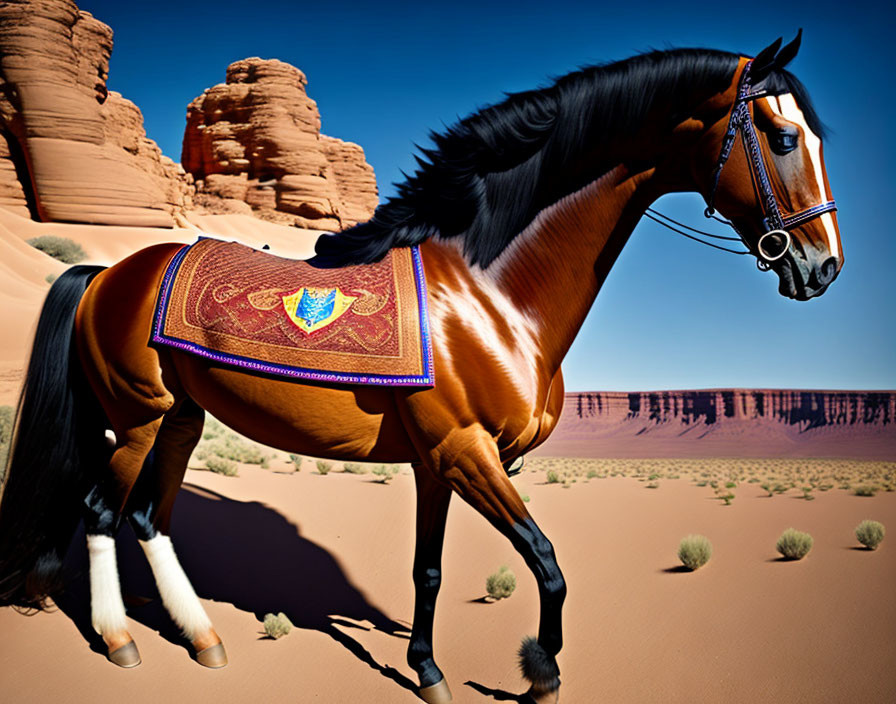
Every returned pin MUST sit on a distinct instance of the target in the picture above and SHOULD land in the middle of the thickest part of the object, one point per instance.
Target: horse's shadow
(244, 553)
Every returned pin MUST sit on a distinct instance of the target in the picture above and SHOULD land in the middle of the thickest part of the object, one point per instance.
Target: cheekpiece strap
(734, 122)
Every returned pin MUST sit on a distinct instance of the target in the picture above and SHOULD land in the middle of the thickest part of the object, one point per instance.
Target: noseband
(776, 241)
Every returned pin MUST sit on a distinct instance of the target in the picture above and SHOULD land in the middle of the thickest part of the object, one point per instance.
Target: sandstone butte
(253, 144)
(73, 151)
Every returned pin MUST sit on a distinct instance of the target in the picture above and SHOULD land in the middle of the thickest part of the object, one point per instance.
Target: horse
(519, 212)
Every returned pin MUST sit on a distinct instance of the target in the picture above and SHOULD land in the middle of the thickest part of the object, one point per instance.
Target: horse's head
(766, 175)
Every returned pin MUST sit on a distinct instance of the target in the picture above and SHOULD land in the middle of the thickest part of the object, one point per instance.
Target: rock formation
(70, 150)
(727, 422)
(253, 143)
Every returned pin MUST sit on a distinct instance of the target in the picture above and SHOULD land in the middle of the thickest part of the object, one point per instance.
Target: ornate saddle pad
(365, 324)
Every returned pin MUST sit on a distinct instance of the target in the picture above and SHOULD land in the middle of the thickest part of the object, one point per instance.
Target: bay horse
(519, 210)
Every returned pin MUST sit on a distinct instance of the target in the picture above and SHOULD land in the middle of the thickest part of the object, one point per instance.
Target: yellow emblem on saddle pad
(314, 308)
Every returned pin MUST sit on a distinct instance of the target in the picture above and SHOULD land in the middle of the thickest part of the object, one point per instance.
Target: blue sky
(672, 314)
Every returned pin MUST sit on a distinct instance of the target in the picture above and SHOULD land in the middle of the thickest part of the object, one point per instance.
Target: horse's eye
(783, 140)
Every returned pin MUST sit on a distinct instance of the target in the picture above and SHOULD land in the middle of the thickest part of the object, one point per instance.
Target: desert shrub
(794, 544)
(865, 490)
(50, 278)
(552, 477)
(354, 468)
(296, 461)
(218, 439)
(592, 473)
(61, 248)
(730, 485)
(694, 551)
(323, 466)
(277, 626)
(653, 485)
(525, 498)
(221, 465)
(727, 498)
(384, 472)
(7, 418)
(501, 584)
(870, 533)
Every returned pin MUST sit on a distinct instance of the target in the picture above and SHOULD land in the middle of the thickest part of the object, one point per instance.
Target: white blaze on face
(785, 106)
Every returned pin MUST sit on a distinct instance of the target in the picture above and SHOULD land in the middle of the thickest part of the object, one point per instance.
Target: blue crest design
(316, 306)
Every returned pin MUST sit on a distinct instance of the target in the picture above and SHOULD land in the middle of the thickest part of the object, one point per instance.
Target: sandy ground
(334, 552)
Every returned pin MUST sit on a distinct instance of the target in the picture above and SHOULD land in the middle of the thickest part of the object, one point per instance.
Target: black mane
(489, 175)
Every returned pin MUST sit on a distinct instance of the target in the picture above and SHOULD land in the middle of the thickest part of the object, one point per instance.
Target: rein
(776, 241)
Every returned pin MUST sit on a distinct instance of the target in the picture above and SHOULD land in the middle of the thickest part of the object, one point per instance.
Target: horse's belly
(357, 423)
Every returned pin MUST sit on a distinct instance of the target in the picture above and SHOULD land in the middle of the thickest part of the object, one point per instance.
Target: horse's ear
(785, 56)
(764, 61)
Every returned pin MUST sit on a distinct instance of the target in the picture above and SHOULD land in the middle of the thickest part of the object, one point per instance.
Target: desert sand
(334, 553)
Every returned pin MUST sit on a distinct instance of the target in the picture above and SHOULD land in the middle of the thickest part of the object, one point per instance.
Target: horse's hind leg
(102, 518)
(149, 513)
(432, 510)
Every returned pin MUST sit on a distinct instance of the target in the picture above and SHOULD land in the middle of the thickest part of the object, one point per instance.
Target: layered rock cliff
(727, 422)
(253, 144)
(70, 150)
(73, 151)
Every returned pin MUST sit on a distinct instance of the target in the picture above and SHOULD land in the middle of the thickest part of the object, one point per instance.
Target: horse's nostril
(827, 271)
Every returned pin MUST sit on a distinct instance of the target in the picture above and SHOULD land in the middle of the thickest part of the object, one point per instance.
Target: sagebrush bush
(61, 248)
(501, 584)
(384, 472)
(694, 551)
(552, 477)
(7, 418)
(296, 461)
(865, 490)
(354, 468)
(870, 533)
(794, 544)
(323, 466)
(221, 465)
(277, 626)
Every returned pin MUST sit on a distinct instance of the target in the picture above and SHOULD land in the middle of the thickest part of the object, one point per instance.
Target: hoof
(437, 693)
(213, 657)
(125, 656)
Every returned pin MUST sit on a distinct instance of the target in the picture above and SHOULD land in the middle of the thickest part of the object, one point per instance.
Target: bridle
(776, 241)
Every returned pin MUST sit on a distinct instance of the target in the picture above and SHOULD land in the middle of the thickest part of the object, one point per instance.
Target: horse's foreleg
(149, 513)
(478, 476)
(432, 511)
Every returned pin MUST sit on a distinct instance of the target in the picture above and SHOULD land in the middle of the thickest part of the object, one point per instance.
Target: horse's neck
(550, 274)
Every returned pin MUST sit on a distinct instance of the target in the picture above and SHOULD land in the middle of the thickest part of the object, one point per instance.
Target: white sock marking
(177, 593)
(106, 605)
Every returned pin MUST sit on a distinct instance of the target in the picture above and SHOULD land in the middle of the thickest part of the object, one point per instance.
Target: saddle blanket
(364, 324)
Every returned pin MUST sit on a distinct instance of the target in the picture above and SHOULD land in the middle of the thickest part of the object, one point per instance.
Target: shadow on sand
(244, 553)
(499, 695)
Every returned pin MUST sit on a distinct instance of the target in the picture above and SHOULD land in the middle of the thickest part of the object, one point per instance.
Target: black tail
(58, 436)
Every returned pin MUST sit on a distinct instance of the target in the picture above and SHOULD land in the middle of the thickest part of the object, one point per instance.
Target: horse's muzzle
(802, 280)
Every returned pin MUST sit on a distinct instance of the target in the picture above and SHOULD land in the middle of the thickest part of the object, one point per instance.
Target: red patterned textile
(363, 324)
